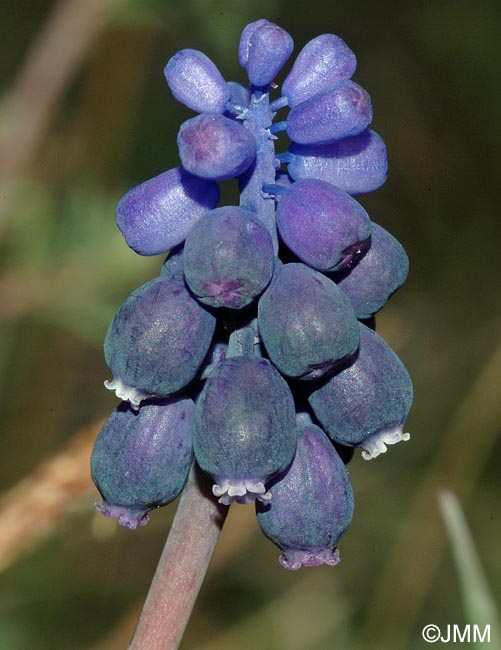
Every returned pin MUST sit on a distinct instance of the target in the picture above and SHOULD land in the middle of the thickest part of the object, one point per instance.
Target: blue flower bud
(218, 352)
(343, 111)
(324, 226)
(240, 97)
(311, 503)
(356, 164)
(306, 323)
(196, 82)
(141, 459)
(376, 276)
(157, 215)
(244, 430)
(173, 264)
(266, 49)
(365, 404)
(322, 62)
(157, 340)
(245, 39)
(215, 147)
(228, 258)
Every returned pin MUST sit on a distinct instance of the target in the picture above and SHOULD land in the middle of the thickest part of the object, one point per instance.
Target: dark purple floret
(228, 258)
(321, 224)
(365, 404)
(141, 459)
(311, 503)
(376, 276)
(215, 147)
(157, 215)
(157, 340)
(244, 430)
(306, 323)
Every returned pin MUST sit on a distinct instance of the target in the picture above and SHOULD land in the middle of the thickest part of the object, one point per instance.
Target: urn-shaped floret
(306, 323)
(157, 215)
(228, 258)
(365, 404)
(322, 62)
(375, 276)
(311, 503)
(323, 225)
(141, 459)
(196, 82)
(215, 147)
(157, 340)
(244, 431)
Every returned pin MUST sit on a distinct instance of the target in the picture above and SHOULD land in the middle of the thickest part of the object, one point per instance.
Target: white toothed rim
(241, 491)
(128, 393)
(377, 443)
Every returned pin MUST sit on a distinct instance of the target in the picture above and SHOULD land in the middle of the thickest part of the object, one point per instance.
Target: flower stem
(182, 567)
(257, 121)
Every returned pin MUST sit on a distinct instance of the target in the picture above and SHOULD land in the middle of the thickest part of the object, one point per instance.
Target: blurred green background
(85, 114)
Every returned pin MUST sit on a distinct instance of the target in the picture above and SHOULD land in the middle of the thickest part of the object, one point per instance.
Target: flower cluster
(248, 351)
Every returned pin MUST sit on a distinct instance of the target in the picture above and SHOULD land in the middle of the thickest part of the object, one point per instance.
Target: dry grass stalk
(32, 508)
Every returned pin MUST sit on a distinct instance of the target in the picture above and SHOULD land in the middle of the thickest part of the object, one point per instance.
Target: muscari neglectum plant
(252, 357)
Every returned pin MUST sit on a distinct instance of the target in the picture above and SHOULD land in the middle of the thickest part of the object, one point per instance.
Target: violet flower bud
(365, 404)
(311, 503)
(244, 431)
(141, 459)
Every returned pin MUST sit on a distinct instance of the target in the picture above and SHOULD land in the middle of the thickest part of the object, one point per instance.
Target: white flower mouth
(127, 393)
(241, 491)
(378, 443)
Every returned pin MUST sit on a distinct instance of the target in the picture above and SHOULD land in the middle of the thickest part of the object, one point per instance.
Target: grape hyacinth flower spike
(255, 315)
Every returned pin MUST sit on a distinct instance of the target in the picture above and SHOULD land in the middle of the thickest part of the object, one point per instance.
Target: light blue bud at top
(244, 430)
(343, 111)
(376, 276)
(141, 459)
(196, 82)
(306, 323)
(245, 40)
(228, 258)
(322, 62)
(311, 504)
(215, 147)
(365, 404)
(157, 215)
(356, 164)
(157, 340)
(266, 49)
(324, 226)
